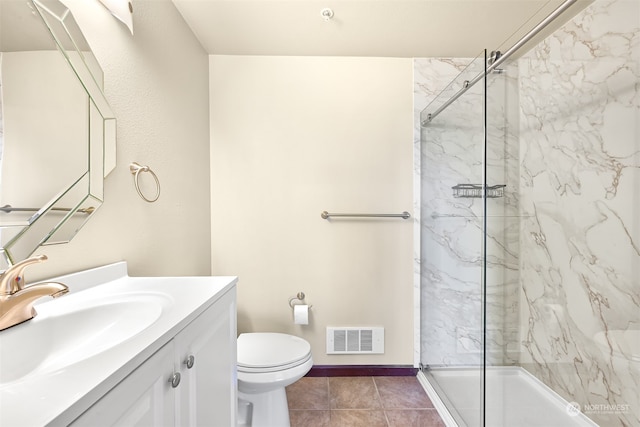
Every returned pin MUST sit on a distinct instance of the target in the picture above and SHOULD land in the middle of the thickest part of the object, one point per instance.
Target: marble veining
(580, 180)
(430, 76)
(563, 244)
(451, 229)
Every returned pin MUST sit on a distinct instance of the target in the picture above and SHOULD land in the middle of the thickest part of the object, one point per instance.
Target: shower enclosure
(469, 238)
(529, 175)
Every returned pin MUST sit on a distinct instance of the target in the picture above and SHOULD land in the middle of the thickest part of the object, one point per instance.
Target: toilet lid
(269, 350)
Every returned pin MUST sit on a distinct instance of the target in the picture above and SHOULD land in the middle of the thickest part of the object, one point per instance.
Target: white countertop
(58, 397)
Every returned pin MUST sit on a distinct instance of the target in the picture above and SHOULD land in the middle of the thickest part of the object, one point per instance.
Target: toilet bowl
(267, 363)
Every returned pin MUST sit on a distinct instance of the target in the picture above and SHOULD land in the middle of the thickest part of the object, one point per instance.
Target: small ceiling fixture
(122, 10)
(326, 13)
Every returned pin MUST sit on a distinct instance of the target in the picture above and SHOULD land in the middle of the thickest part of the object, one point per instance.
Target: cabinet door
(144, 398)
(207, 395)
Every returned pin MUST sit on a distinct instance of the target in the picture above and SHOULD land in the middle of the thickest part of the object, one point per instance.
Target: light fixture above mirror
(122, 10)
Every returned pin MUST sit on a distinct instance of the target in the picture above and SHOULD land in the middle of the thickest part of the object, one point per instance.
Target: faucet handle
(12, 280)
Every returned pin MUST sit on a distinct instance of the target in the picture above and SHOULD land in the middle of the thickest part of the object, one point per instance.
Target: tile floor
(360, 401)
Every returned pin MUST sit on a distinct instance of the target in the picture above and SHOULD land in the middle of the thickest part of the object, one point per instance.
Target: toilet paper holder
(298, 299)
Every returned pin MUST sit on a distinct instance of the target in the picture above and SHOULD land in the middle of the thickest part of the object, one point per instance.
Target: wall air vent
(351, 340)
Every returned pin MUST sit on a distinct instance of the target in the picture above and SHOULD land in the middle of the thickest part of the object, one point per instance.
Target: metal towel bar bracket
(327, 215)
(298, 299)
(135, 169)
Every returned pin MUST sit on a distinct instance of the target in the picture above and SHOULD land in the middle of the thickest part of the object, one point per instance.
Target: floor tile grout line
(382, 405)
(328, 390)
(375, 385)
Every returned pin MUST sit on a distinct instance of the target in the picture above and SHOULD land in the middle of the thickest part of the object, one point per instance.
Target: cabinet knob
(189, 361)
(175, 379)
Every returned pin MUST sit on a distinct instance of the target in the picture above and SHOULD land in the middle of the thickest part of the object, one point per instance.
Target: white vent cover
(343, 340)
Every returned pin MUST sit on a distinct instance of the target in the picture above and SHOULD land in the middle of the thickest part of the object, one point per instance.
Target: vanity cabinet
(206, 360)
(190, 381)
(144, 398)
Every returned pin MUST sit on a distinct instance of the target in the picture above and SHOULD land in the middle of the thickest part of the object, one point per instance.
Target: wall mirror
(57, 131)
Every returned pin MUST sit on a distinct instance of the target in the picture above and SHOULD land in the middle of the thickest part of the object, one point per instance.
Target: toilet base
(269, 409)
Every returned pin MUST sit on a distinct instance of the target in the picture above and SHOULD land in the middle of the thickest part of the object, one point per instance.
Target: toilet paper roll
(301, 314)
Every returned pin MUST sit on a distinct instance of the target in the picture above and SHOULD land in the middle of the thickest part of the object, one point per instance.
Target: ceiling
(379, 28)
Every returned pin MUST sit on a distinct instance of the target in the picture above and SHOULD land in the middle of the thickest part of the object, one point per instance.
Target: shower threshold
(514, 398)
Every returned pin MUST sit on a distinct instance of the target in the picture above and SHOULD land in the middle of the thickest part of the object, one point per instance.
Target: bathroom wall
(157, 83)
(580, 204)
(290, 138)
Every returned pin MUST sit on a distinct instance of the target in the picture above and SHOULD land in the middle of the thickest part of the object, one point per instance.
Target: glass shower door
(452, 261)
(502, 237)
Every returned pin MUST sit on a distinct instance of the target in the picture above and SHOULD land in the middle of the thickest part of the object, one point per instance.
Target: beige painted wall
(291, 137)
(156, 82)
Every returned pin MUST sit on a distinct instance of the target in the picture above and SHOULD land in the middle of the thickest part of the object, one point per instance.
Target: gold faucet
(16, 299)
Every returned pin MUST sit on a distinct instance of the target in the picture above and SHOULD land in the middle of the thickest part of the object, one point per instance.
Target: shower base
(515, 398)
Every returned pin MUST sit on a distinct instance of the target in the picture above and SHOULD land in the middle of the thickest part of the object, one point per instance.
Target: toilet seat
(271, 352)
(267, 363)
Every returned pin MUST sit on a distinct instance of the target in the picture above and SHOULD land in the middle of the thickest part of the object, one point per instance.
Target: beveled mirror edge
(60, 23)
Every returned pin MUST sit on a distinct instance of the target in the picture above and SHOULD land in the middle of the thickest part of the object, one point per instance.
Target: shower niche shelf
(474, 191)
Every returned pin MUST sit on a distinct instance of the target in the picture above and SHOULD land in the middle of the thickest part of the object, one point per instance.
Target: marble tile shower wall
(436, 340)
(450, 264)
(580, 233)
(564, 243)
(503, 224)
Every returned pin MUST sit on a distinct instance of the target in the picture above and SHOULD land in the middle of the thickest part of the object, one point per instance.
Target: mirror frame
(78, 202)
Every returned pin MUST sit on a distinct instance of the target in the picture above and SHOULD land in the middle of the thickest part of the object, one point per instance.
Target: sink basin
(74, 328)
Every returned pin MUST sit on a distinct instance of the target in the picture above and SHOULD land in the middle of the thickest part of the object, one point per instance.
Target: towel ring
(135, 169)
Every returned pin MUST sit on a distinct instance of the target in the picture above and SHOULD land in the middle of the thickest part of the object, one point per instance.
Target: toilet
(267, 363)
